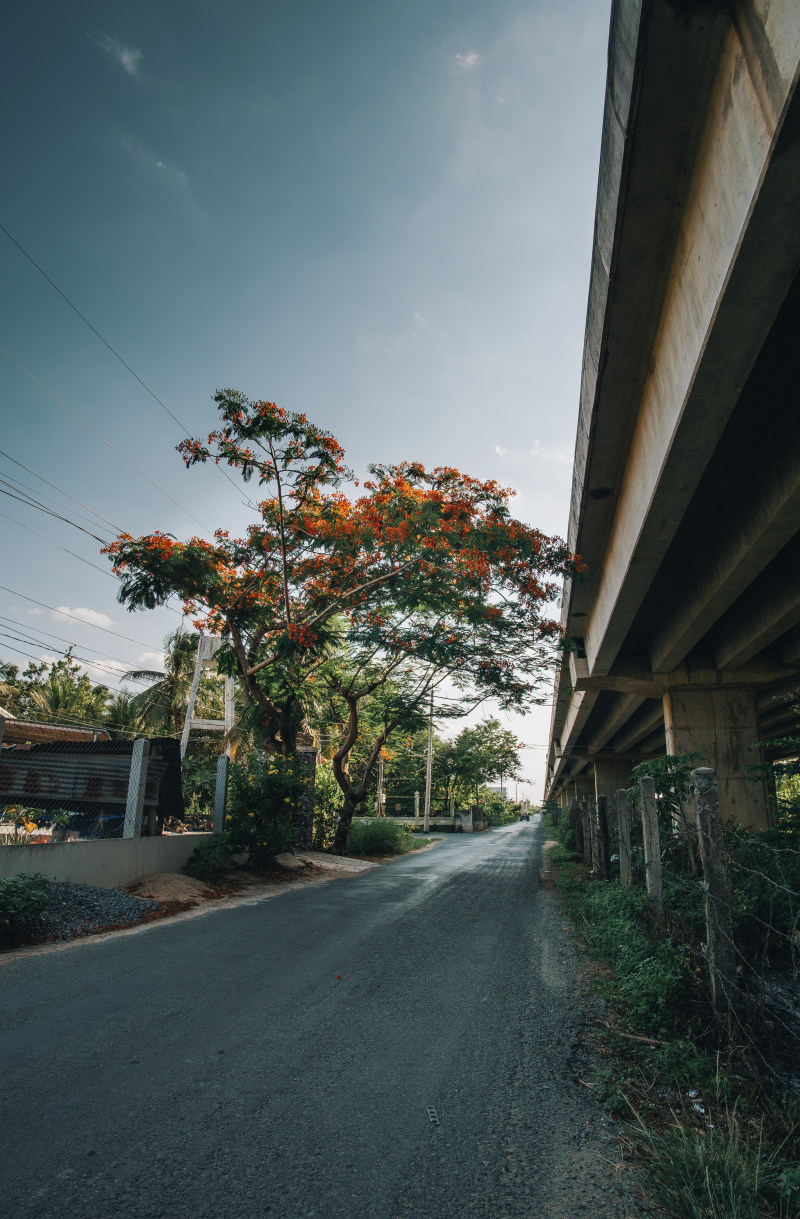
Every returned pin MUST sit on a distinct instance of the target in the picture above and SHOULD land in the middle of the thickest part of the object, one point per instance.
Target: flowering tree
(421, 578)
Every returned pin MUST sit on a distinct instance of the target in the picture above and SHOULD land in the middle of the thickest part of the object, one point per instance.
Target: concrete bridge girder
(694, 305)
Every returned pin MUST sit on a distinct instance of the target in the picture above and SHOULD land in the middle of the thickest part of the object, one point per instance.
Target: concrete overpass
(686, 486)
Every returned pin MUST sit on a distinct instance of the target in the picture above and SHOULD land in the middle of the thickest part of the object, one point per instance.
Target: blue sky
(379, 214)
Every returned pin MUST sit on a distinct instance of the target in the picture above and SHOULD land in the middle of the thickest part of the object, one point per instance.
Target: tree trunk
(343, 826)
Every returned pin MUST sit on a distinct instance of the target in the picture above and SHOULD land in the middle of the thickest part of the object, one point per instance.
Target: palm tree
(66, 693)
(162, 706)
(122, 717)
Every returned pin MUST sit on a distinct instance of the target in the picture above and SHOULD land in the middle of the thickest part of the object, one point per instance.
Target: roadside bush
(652, 975)
(328, 803)
(209, 858)
(22, 897)
(565, 830)
(378, 836)
(262, 793)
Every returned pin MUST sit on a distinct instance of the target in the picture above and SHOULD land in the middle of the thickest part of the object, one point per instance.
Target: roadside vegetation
(709, 1102)
(380, 836)
(21, 899)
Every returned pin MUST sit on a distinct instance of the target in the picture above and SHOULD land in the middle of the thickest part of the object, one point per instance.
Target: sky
(378, 214)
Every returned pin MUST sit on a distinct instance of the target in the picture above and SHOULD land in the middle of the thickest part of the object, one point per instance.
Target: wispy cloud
(467, 61)
(128, 58)
(89, 616)
(174, 179)
(405, 337)
(537, 452)
(35, 609)
(151, 660)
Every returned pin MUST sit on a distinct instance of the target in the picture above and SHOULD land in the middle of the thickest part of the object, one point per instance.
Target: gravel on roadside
(77, 910)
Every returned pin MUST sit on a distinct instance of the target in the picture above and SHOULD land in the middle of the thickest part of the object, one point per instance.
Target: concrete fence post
(577, 822)
(304, 812)
(416, 804)
(137, 781)
(587, 832)
(604, 843)
(719, 921)
(652, 845)
(594, 830)
(624, 831)
(221, 793)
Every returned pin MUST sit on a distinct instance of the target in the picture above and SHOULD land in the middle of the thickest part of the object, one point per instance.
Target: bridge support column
(721, 722)
(610, 774)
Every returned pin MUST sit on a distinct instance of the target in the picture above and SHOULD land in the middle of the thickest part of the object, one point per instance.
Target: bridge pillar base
(610, 774)
(721, 722)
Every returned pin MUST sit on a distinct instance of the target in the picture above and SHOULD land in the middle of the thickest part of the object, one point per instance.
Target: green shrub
(22, 897)
(262, 793)
(328, 803)
(652, 975)
(378, 836)
(209, 858)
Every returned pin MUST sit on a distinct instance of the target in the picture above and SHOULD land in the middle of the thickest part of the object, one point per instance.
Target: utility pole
(426, 825)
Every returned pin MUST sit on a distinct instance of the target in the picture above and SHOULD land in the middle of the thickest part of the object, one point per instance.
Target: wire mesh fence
(727, 895)
(60, 789)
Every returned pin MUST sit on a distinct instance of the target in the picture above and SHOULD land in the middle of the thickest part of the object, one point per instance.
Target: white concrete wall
(109, 864)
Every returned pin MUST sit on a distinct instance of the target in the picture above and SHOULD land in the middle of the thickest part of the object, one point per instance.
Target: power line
(108, 443)
(50, 542)
(106, 343)
(38, 630)
(63, 651)
(30, 502)
(95, 626)
(60, 491)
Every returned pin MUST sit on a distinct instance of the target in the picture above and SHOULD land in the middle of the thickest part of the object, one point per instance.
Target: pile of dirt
(170, 887)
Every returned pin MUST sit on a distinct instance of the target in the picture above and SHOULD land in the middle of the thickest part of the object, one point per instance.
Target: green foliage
(328, 803)
(262, 793)
(21, 898)
(722, 1171)
(764, 871)
(608, 1090)
(378, 836)
(651, 974)
(566, 828)
(496, 808)
(53, 691)
(209, 858)
(475, 758)
(199, 779)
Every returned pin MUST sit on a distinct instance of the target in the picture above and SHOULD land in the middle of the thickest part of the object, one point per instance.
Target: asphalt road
(218, 1067)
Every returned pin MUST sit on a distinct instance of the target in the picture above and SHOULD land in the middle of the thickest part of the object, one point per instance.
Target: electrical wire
(29, 502)
(38, 630)
(64, 614)
(108, 443)
(60, 490)
(50, 542)
(106, 343)
(96, 664)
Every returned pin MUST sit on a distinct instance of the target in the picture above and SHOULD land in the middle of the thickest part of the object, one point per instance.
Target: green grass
(738, 1158)
(721, 1171)
(379, 836)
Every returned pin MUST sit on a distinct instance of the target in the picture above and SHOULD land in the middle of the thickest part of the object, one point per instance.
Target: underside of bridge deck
(685, 632)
